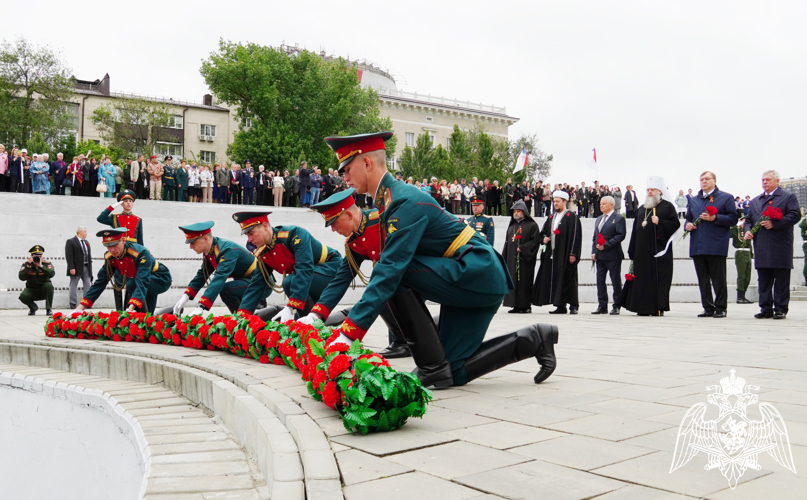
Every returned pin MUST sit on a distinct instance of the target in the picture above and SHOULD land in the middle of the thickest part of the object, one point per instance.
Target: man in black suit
(78, 255)
(305, 184)
(631, 202)
(608, 256)
(773, 245)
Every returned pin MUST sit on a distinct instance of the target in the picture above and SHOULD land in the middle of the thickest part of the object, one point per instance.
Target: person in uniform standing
(743, 257)
(181, 181)
(520, 252)
(773, 245)
(430, 254)
(78, 255)
(306, 265)
(222, 260)
(480, 222)
(363, 232)
(141, 273)
(37, 272)
(650, 249)
(248, 183)
(169, 192)
(556, 282)
(709, 242)
(155, 170)
(134, 232)
(608, 256)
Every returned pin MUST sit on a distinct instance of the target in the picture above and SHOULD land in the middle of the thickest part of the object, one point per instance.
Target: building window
(207, 156)
(178, 122)
(429, 118)
(431, 138)
(208, 130)
(163, 149)
(410, 139)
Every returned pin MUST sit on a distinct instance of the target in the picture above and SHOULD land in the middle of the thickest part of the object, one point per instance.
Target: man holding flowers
(710, 215)
(770, 224)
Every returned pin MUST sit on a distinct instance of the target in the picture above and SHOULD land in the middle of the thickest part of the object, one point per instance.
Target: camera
(37, 259)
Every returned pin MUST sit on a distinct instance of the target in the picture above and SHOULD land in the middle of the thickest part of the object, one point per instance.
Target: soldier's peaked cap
(248, 220)
(477, 199)
(332, 208)
(127, 194)
(195, 231)
(347, 147)
(111, 237)
(36, 250)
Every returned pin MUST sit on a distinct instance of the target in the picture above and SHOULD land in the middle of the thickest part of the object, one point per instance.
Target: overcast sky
(659, 88)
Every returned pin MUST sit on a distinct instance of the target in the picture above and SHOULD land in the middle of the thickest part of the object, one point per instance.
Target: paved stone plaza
(604, 425)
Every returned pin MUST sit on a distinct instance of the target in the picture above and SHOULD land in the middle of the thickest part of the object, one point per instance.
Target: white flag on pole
(521, 162)
(592, 163)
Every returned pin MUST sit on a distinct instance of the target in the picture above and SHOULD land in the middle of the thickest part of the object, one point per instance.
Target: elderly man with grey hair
(606, 252)
(773, 245)
(78, 255)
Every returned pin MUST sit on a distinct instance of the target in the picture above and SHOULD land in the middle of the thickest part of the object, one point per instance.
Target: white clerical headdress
(561, 194)
(657, 182)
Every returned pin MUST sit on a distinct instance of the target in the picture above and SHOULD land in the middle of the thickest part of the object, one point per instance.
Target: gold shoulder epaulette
(373, 215)
(132, 252)
(283, 234)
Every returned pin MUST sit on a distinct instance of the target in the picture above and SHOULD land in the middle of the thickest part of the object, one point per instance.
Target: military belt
(743, 249)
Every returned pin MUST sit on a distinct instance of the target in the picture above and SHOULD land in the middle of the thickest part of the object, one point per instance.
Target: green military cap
(331, 208)
(37, 250)
(477, 199)
(347, 147)
(195, 231)
(111, 237)
(127, 194)
(248, 220)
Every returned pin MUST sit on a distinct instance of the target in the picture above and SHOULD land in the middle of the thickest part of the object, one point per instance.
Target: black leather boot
(420, 332)
(536, 340)
(337, 317)
(397, 347)
(118, 294)
(741, 298)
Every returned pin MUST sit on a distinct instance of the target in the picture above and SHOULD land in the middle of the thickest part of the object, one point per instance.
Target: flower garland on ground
(358, 383)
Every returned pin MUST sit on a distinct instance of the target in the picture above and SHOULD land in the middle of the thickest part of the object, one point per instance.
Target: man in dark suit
(608, 256)
(305, 184)
(631, 202)
(773, 245)
(78, 254)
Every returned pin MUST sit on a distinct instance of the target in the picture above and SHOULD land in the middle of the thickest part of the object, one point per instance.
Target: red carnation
(153, 340)
(319, 377)
(711, 210)
(262, 337)
(127, 338)
(629, 277)
(340, 347)
(330, 395)
(116, 338)
(80, 335)
(601, 240)
(176, 339)
(279, 361)
(338, 364)
(158, 326)
(57, 316)
(264, 359)
(150, 320)
(203, 331)
(274, 338)
(124, 322)
(556, 231)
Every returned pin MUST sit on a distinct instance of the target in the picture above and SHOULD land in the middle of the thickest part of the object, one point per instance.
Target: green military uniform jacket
(225, 260)
(360, 246)
(130, 221)
(292, 251)
(168, 176)
(738, 242)
(482, 224)
(803, 227)
(181, 178)
(135, 263)
(35, 277)
(414, 229)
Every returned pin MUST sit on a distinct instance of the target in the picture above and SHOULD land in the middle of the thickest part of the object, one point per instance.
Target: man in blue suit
(709, 242)
(608, 256)
(773, 246)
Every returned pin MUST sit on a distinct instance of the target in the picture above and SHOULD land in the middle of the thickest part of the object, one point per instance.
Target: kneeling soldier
(307, 266)
(139, 271)
(128, 220)
(37, 274)
(223, 259)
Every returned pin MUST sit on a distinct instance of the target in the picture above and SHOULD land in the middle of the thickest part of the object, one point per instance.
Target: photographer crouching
(37, 273)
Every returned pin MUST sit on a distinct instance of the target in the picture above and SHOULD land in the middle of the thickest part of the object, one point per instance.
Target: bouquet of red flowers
(601, 241)
(769, 213)
(358, 383)
(709, 210)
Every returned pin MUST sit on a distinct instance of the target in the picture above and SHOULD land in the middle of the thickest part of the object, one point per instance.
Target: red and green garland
(358, 383)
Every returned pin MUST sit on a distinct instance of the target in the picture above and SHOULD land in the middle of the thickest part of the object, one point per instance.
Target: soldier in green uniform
(429, 253)
(363, 233)
(222, 259)
(140, 272)
(169, 192)
(37, 273)
(803, 232)
(134, 227)
(480, 222)
(743, 258)
(306, 265)
(181, 181)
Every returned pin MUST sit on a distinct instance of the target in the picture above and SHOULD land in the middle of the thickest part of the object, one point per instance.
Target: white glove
(309, 319)
(116, 205)
(198, 311)
(285, 314)
(180, 304)
(79, 311)
(342, 339)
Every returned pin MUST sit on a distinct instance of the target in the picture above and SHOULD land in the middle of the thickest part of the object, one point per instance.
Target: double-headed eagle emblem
(732, 441)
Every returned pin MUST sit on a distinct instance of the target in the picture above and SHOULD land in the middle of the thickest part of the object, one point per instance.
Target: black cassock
(650, 291)
(557, 278)
(526, 236)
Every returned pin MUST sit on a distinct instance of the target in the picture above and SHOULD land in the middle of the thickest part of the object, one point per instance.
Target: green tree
(133, 126)
(461, 153)
(290, 102)
(35, 89)
(96, 151)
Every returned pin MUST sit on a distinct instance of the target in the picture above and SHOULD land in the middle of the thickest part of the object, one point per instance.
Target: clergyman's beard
(652, 201)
